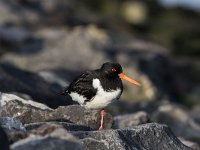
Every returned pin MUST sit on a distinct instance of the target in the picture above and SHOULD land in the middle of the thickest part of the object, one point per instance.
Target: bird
(95, 89)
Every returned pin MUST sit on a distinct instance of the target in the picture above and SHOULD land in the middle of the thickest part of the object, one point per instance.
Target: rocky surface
(179, 119)
(140, 137)
(30, 127)
(71, 114)
(130, 120)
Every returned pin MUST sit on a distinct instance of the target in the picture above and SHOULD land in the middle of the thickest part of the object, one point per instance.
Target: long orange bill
(123, 76)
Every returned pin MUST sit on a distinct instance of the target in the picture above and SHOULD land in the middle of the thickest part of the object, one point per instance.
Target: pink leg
(102, 118)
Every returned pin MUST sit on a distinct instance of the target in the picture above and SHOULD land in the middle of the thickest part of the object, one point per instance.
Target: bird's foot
(100, 128)
(102, 119)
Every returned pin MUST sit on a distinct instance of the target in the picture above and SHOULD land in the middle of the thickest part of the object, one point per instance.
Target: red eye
(114, 70)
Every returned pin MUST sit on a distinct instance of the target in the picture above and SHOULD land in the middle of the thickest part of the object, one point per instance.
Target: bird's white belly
(102, 98)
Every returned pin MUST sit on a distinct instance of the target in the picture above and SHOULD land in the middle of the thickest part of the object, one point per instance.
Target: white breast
(102, 98)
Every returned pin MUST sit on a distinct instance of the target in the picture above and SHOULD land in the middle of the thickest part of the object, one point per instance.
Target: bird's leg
(102, 118)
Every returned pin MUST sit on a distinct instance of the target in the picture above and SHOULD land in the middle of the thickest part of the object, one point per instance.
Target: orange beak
(123, 76)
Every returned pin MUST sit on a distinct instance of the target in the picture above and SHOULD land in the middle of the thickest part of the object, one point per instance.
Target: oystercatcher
(97, 88)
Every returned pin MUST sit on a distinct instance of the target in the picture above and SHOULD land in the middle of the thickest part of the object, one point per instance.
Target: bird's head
(114, 70)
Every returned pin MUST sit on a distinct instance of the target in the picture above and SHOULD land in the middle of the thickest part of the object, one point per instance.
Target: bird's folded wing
(83, 85)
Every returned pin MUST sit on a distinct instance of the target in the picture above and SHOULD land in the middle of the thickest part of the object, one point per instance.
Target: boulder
(66, 125)
(147, 136)
(130, 120)
(179, 120)
(72, 113)
(48, 135)
(42, 143)
(5, 98)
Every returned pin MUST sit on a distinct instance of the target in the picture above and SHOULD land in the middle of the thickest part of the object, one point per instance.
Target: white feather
(102, 98)
(77, 97)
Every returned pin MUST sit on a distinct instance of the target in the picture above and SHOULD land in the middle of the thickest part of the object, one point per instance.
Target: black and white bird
(97, 88)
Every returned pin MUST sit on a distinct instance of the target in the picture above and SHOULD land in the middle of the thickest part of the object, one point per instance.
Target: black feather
(83, 85)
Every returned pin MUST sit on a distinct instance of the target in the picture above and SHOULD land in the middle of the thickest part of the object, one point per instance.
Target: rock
(11, 124)
(42, 143)
(147, 136)
(4, 144)
(13, 128)
(5, 98)
(72, 113)
(66, 125)
(179, 120)
(31, 84)
(81, 116)
(193, 145)
(130, 120)
(46, 134)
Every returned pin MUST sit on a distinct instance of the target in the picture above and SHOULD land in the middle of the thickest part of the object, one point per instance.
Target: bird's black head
(111, 69)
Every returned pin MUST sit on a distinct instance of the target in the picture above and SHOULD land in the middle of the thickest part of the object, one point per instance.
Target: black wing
(82, 85)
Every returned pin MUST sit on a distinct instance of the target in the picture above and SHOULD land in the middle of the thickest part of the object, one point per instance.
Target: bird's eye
(113, 70)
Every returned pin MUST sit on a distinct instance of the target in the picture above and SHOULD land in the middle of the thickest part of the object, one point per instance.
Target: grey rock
(48, 136)
(130, 120)
(66, 125)
(82, 116)
(178, 119)
(72, 113)
(31, 84)
(193, 145)
(5, 98)
(4, 144)
(44, 143)
(147, 136)
(11, 123)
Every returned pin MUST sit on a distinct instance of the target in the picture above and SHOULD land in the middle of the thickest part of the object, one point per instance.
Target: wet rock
(73, 114)
(4, 144)
(179, 120)
(130, 120)
(31, 84)
(148, 136)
